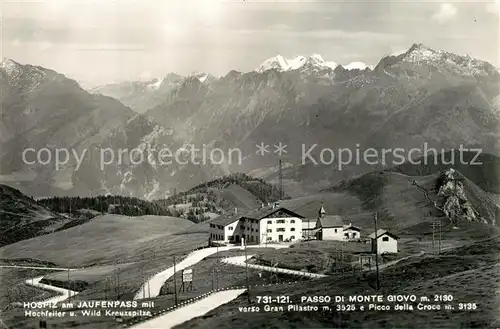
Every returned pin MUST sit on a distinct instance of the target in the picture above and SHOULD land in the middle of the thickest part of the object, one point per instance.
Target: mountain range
(419, 96)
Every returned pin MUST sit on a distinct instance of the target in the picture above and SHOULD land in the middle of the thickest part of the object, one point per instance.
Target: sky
(104, 41)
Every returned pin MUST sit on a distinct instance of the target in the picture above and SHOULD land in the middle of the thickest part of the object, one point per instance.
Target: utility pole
(376, 251)
(246, 270)
(440, 225)
(342, 258)
(33, 284)
(118, 283)
(217, 269)
(175, 283)
(142, 279)
(69, 291)
(436, 225)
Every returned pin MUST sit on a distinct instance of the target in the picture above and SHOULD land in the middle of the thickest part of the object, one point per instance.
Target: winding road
(191, 311)
(154, 284)
(240, 261)
(63, 293)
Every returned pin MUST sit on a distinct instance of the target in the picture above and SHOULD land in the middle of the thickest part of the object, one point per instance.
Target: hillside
(113, 204)
(22, 218)
(220, 196)
(402, 205)
(104, 240)
(483, 170)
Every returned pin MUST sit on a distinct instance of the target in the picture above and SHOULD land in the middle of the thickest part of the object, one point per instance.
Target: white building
(351, 232)
(223, 228)
(386, 242)
(271, 224)
(331, 227)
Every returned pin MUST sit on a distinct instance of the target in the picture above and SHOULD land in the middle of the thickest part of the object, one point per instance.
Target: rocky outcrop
(456, 205)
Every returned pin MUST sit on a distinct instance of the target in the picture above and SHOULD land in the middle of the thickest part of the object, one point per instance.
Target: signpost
(187, 280)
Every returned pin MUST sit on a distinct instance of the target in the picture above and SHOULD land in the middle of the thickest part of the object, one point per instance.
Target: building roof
(266, 211)
(331, 221)
(381, 232)
(352, 227)
(253, 214)
(226, 220)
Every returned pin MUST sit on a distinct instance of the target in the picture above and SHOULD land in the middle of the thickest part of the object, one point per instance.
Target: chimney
(235, 210)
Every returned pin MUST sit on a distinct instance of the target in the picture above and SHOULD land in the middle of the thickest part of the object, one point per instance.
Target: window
(385, 238)
(248, 228)
(269, 221)
(292, 237)
(292, 229)
(269, 238)
(280, 221)
(292, 221)
(335, 230)
(242, 227)
(280, 229)
(269, 230)
(230, 228)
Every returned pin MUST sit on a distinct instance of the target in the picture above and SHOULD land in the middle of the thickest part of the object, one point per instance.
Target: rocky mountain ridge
(444, 100)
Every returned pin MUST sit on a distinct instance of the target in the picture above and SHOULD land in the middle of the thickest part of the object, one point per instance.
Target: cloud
(446, 12)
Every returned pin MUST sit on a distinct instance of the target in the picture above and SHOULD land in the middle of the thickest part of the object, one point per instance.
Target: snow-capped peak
(419, 54)
(277, 63)
(9, 65)
(357, 66)
(281, 64)
(296, 63)
(155, 83)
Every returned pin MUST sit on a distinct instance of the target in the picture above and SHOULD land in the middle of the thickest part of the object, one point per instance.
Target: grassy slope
(13, 288)
(104, 240)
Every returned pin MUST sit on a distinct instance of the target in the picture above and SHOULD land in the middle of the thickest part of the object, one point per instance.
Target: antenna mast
(280, 178)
